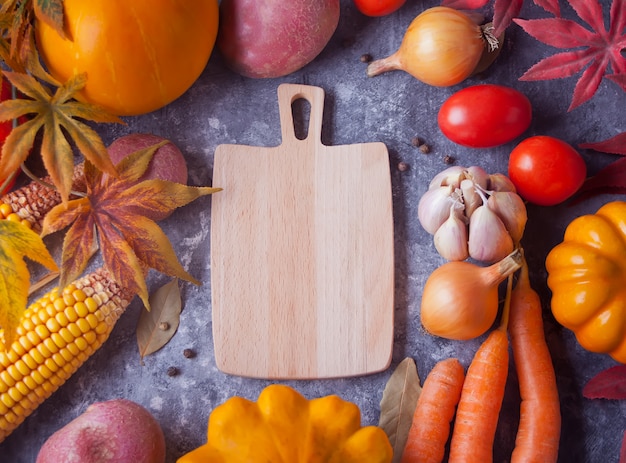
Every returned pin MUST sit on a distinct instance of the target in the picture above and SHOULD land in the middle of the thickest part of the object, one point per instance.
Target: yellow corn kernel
(6, 378)
(50, 345)
(43, 350)
(81, 343)
(79, 295)
(51, 365)
(24, 390)
(41, 317)
(102, 328)
(42, 331)
(66, 335)
(59, 304)
(37, 377)
(7, 400)
(25, 343)
(53, 325)
(82, 309)
(90, 337)
(22, 367)
(58, 340)
(15, 372)
(33, 338)
(29, 361)
(68, 299)
(36, 355)
(26, 325)
(93, 321)
(73, 349)
(74, 330)
(67, 356)
(91, 304)
(59, 359)
(83, 325)
(19, 350)
(5, 210)
(30, 383)
(70, 312)
(61, 319)
(45, 371)
(12, 356)
(15, 394)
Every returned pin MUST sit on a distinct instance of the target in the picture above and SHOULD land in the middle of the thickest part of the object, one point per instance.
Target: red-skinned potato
(114, 431)
(273, 38)
(168, 163)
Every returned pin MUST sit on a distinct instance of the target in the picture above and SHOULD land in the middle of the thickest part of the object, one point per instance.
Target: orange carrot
(540, 415)
(481, 397)
(435, 409)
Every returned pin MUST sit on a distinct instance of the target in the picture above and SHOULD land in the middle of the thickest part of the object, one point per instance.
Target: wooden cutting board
(302, 254)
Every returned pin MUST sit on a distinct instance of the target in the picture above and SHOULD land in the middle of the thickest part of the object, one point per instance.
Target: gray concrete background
(223, 107)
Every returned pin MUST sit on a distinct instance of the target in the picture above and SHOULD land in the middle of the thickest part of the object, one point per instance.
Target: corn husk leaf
(16, 242)
(158, 325)
(398, 405)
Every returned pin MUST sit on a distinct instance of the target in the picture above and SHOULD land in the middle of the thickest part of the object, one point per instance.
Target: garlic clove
(489, 240)
(450, 176)
(510, 208)
(479, 176)
(500, 182)
(471, 197)
(434, 207)
(451, 237)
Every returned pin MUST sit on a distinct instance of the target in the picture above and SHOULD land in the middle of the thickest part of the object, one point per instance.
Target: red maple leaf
(609, 384)
(504, 11)
(610, 179)
(595, 49)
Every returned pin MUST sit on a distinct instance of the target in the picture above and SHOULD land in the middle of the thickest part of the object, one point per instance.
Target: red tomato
(483, 116)
(545, 170)
(378, 7)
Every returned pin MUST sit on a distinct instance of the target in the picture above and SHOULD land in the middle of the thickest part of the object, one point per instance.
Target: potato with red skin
(113, 431)
(168, 162)
(273, 38)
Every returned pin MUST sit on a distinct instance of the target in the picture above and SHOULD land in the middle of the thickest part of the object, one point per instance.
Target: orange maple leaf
(118, 212)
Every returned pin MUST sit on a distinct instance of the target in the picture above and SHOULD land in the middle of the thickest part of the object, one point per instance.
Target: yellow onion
(441, 47)
(460, 299)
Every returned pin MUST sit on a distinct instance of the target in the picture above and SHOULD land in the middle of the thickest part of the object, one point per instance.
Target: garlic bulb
(472, 214)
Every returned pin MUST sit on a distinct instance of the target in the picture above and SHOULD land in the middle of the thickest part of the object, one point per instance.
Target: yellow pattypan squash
(284, 427)
(587, 276)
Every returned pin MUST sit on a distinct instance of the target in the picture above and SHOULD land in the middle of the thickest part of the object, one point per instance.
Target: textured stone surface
(223, 107)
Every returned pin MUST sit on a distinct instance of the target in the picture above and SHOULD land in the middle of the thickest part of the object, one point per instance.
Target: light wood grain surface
(302, 253)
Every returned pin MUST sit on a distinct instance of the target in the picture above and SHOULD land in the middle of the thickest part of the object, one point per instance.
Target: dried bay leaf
(157, 326)
(398, 404)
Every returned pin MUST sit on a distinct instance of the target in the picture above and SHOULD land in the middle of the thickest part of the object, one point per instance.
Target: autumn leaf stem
(34, 178)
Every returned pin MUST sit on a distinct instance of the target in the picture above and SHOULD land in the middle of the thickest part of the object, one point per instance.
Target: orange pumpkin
(139, 55)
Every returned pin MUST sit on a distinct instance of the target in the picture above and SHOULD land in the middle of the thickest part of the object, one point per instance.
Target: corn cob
(33, 201)
(58, 332)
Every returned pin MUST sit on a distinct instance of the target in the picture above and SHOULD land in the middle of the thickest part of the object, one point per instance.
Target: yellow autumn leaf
(17, 242)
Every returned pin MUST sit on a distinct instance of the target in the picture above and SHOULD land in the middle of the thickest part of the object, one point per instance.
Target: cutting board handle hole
(301, 115)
